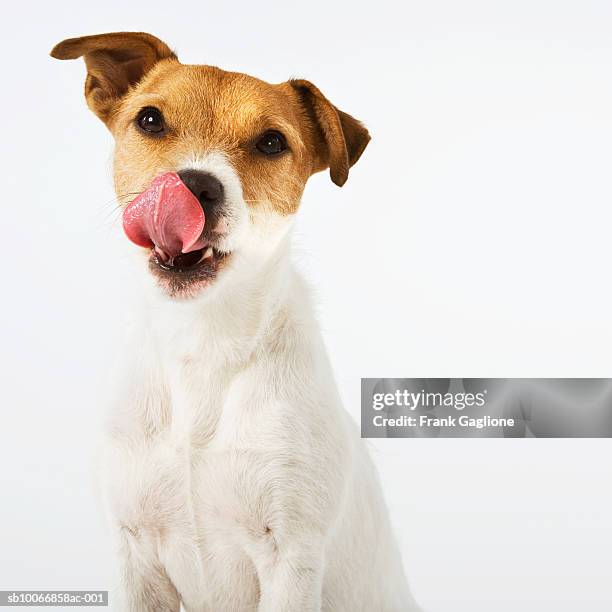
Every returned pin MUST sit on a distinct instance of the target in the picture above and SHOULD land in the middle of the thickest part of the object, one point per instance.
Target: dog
(233, 477)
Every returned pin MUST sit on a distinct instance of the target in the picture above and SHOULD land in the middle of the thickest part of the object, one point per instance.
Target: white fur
(234, 479)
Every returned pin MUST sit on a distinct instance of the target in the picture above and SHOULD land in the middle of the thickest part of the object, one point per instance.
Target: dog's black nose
(208, 189)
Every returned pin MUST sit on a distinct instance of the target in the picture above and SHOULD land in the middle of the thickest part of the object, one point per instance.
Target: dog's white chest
(233, 462)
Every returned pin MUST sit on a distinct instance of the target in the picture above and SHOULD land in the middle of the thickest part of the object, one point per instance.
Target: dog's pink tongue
(166, 216)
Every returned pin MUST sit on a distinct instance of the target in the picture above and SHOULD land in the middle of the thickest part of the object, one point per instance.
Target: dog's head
(243, 147)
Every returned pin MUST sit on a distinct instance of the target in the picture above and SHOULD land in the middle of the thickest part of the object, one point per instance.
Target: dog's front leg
(292, 581)
(140, 481)
(144, 585)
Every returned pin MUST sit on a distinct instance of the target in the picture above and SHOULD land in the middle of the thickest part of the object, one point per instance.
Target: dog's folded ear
(115, 62)
(339, 138)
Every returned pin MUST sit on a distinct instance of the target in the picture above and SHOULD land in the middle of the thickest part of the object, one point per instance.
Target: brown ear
(340, 139)
(114, 63)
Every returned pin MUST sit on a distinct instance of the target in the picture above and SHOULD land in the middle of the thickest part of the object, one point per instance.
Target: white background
(472, 239)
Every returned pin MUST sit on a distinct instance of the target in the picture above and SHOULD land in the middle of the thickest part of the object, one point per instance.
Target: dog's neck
(226, 326)
(190, 352)
(196, 348)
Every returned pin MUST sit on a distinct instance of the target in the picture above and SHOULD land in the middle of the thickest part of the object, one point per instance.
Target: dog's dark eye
(271, 143)
(150, 120)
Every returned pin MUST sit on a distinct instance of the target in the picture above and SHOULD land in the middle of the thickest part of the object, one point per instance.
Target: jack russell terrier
(234, 479)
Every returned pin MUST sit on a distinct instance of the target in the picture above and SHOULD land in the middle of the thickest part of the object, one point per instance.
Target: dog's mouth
(208, 257)
(187, 274)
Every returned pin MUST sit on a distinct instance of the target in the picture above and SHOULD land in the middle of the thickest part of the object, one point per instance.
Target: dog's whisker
(110, 211)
